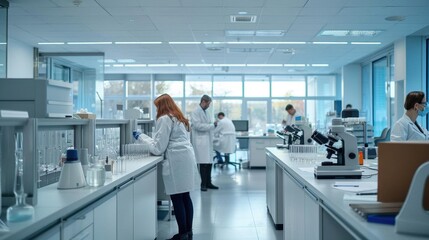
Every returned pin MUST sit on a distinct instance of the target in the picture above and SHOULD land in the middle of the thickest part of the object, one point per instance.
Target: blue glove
(136, 134)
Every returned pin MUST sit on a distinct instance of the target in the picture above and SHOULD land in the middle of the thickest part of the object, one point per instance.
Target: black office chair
(384, 137)
(226, 161)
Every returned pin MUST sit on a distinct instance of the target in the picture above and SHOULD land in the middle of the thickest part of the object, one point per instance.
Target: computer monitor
(241, 125)
(348, 113)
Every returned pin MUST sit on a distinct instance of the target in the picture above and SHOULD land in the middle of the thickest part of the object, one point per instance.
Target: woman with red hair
(179, 169)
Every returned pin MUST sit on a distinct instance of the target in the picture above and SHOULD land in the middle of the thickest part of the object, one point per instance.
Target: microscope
(347, 165)
(305, 138)
(300, 135)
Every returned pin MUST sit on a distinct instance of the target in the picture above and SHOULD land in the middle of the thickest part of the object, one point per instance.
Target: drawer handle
(83, 217)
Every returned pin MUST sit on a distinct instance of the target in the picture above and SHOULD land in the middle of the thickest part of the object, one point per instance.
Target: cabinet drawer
(77, 223)
(86, 234)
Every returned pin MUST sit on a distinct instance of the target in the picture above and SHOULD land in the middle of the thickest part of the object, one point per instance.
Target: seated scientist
(407, 128)
(224, 137)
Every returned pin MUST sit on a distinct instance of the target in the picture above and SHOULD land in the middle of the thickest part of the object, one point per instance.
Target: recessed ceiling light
(229, 65)
(184, 43)
(242, 13)
(135, 65)
(109, 61)
(88, 43)
(239, 42)
(365, 43)
(162, 65)
(106, 65)
(338, 43)
(118, 65)
(320, 65)
(198, 65)
(294, 65)
(239, 33)
(49, 43)
(270, 33)
(350, 33)
(130, 43)
(265, 65)
(126, 61)
(395, 18)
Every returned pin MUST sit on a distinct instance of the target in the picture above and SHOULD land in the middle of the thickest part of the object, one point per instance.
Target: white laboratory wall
(19, 59)
(352, 85)
(410, 62)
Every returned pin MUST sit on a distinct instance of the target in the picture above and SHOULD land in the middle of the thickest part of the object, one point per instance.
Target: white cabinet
(301, 211)
(145, 208)
(257, 150)
(105, 218)
(125, 210)
(51, 234)
(79, 226)
(274, 189)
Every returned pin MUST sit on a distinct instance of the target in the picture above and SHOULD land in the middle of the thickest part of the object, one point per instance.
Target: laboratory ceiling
(218, 36)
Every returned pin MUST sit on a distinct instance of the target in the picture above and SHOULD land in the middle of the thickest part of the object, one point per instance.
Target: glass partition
(3, 40)
(84, 70)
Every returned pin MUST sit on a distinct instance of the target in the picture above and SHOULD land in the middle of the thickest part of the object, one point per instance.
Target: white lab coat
(202, 136)
(224, 136)
(179, 169)
(405, 130)
(291, 119)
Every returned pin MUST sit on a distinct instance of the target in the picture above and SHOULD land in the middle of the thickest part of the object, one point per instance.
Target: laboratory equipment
(96, 175)
(72, 173)
(21, 211)
(295, 135)
(41, 98)
(83, 157)
(347, 165)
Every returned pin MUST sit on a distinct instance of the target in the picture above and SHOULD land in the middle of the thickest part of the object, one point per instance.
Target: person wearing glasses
(407, 128)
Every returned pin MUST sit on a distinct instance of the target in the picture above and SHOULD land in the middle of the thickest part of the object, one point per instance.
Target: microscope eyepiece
(319, 138)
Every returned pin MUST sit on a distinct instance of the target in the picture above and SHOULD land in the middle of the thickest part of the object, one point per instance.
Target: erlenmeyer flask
(21, 211)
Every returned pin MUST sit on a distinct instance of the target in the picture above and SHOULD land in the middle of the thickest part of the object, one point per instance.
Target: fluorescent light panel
(162, 65)
(332, 43)
(264, 65)
(294, 65)
(365, 43)
(126, 61)
(198, 65)
(88, 43)
(50, 43)
(350, 33)
(319, 65)
(178, 43)
(135, 65)
(133, 43)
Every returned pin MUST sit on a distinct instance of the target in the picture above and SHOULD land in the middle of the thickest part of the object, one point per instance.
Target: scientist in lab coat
(179, 169)
(407, 128)
(202, 140)
(224, 137)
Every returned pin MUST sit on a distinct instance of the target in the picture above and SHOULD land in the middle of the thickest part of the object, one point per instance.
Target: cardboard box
(397, 163)
(86, 115)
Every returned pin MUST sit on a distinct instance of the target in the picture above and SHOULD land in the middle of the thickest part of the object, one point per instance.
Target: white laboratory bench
(311, 208)
(106, 212)
(255, 145)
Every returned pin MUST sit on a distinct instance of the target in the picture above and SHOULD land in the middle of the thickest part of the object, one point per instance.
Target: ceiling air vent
(243, 19)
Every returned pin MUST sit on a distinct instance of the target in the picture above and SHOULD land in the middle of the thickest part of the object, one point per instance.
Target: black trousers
(184, 211)
(206, 174)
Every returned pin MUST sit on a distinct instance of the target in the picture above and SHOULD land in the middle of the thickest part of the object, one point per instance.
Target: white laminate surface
(332, 200)
(54, 204)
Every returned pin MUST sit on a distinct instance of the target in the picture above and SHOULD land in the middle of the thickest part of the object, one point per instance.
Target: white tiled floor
(236, 211)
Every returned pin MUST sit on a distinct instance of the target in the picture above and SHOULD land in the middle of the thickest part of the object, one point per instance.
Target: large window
(256, 86)
(288, 86)
(261, 99)
(227, 86)
(173, 88)
(196, 86)
(321, 86)
(380, 81)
